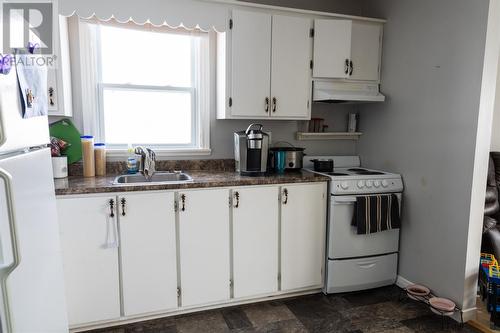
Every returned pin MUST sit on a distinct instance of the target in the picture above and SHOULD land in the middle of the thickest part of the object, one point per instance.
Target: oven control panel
(366, 186)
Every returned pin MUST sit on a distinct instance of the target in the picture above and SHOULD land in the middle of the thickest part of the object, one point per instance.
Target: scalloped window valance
(187, 13)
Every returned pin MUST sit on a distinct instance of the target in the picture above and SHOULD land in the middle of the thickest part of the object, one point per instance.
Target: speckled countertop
(201, 179)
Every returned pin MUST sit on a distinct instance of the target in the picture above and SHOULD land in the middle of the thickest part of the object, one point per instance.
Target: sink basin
(158, 178)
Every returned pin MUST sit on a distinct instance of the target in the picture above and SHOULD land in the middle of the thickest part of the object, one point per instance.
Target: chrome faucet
(148, 162)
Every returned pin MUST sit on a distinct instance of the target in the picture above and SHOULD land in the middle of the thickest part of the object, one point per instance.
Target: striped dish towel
(376, 213)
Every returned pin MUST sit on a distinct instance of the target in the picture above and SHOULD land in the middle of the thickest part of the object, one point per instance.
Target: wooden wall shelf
(328, 135)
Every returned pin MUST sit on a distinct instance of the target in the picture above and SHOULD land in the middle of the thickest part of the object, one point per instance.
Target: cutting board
(65, 129)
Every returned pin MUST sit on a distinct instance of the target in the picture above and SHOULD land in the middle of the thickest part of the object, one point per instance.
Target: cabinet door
(148, 252)
(89, 239)
(303, 223)
(59, 76)
(251, 64)
(365, 50)
(204, 246)
(291, 72)
(332, 48)
(255, 240)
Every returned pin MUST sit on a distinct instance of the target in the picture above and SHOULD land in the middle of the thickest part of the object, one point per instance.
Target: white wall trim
(481, 154)
(402, 282)
(295, 10)
(468, 314)
(122, 154)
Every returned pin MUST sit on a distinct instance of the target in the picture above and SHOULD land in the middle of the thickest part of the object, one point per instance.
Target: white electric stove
(357, 262)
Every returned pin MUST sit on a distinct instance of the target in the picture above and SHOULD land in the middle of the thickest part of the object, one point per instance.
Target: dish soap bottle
(132, 166)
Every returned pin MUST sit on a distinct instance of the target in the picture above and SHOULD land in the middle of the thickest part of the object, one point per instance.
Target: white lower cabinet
(131, 254)
(255, 240)
(148, 252)
(204, 246)
(303, 226)
(89, 237)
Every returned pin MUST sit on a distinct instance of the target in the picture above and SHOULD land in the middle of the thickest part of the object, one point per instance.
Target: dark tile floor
(377, 310)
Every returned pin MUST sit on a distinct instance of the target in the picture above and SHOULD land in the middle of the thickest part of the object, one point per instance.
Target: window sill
(120, 154)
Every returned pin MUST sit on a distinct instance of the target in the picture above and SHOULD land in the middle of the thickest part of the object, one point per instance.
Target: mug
(280, 161)
(60, 166)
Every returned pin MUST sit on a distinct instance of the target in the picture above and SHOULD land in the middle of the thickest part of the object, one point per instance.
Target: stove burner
(337, 174)
(356, 169)
(369, 173)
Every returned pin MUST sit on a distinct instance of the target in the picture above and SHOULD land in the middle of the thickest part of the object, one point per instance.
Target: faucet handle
(138, 150)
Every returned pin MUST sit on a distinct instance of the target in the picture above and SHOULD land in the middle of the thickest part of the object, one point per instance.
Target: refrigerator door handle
(7, 269)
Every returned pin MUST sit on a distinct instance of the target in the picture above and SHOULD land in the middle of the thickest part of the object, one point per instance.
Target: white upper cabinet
(251, 64)
(366, 51)
(291, 72)
(148, 252)
(345, 49)
(263, 67)
(255, 240)
(332, 48)
(204, 246)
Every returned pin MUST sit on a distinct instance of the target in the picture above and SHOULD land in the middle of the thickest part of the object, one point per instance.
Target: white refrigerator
(31, 273)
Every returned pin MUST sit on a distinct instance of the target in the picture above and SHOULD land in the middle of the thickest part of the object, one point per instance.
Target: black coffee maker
(251, 149)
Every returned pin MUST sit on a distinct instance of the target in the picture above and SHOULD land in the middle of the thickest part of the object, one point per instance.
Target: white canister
(352, 125)
(60, 166)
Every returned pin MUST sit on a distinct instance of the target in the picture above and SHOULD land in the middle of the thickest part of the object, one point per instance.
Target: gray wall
(426, 130)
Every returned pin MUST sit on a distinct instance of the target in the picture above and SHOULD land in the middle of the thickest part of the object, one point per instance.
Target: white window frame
(92, 89)
(195, 140)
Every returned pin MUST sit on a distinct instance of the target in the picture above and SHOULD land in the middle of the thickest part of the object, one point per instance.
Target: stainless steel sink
(158, 178)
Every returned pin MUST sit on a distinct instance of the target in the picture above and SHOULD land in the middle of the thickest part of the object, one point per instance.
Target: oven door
(343, 240)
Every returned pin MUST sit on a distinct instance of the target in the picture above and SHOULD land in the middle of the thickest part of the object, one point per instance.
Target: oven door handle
(344, 200)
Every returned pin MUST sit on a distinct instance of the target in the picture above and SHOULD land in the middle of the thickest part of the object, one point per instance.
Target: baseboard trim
(180, 311)
(402, 282)
(468, 314)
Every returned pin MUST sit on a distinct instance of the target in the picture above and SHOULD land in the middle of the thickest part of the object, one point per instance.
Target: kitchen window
(149, 85)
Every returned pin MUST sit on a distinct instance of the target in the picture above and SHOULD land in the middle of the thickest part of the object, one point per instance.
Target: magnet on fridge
(32, 47)
(5, 64)
(29, 98)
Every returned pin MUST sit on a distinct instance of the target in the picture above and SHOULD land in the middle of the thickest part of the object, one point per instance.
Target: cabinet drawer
(363, 273)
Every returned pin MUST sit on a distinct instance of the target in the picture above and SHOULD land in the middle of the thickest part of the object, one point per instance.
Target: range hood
(346, 92)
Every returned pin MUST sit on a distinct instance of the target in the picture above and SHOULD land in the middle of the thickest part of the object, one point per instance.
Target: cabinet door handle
(183, 199)
(351, 65)
(275, 102)
(237, 197)
(123, 202)
(111, 208)
(285, 196)
(346, 66)
(267, 104)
